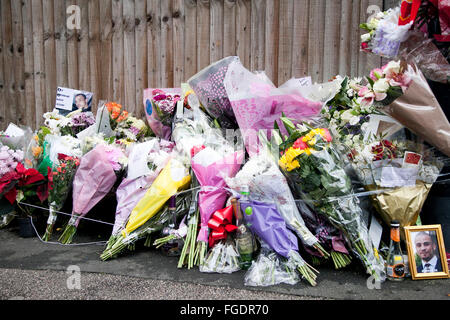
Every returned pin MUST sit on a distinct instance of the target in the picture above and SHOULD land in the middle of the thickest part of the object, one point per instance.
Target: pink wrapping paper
(213, 196)
(94, 179)
(257, 103)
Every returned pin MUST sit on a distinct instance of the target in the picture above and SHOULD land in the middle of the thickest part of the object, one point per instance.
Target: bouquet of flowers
(399, 173)
(266, 183)
(270, 269)
(265, 221)
(257, 103)
(71, 125)
(132, 130)
(94, 178)
(209, 86)
(60, 180)
(211, 168)
(317, 175)
(117, 114)
(160, 106)
(156, 223)
(133, 188)
(222, 258)
(9, 158)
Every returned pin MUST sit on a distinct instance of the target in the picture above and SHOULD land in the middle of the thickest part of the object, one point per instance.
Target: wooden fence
(125, 46)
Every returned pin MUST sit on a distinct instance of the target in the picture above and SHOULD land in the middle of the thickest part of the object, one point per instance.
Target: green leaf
(370, 80)
(290, 127)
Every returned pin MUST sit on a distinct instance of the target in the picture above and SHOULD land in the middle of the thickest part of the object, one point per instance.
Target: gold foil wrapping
(402, 203)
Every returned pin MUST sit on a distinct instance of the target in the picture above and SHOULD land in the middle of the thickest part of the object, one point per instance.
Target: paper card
(381, 125)
(306, 81)
(102, 124)
(137, 161)
(398, 177)
(375, 232)
(14, 131)
(68, 100)
(411, 160)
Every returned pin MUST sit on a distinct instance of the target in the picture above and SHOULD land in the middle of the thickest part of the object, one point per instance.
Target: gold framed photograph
(426, 252)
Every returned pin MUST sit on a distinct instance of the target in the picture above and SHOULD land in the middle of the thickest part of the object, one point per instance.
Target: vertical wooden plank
(106, 26)
(140, 10)
(243, 32)
(355, 39)
(178, 43)
(72, 53)
(49, 54)
(28, 52)
(300, 39)
(331, 40)
(203, 24)
(8, 60)
(258, 26)
(372, 61)
(39, 64)
(62, 77)
(362, 56)
(118, 71)
(190, 44)
(166, 44)
(83, 47)
(94, 52)
(153, 43)
(216, 31)
(345, 37)
(229, 28)
(129, 48)
(285, 45)
(316, 36)
(17, 29)
(3, 124)
(272, 39)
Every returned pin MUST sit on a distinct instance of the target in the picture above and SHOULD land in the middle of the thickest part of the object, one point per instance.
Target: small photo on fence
(426, 252)
(69, 100)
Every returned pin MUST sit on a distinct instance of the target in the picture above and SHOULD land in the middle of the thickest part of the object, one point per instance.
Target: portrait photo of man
(426, 249)
(80, 102)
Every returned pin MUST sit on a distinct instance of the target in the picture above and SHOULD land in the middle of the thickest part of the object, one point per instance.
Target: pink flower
(363, 91)
(327, 135)
(364, 46)
(376, 74)
(399, 80)
(380, 96)
(299, 144)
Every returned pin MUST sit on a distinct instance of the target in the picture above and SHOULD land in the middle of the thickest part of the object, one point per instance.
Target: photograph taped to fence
(68, 100)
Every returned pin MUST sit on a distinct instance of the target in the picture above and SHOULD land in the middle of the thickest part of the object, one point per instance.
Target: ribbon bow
(220, 224)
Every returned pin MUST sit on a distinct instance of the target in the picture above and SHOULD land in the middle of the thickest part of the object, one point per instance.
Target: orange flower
(123, 116)
(36, 151)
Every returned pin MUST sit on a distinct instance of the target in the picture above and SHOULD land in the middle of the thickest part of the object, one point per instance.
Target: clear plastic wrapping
(222, 258)
(269, 269)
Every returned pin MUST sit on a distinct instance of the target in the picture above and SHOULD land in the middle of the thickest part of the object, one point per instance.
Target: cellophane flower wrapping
(208, 85)
(316, 172)
(60, 180)
(270, 269)
(173, 178)
(160, 106)
(266, 183)
(155, 224)
(265, 221)
(132, 189)
(222, 258)
(257, 103)
(211, 167)
(93, 180)
(399, 173)
(418, 110)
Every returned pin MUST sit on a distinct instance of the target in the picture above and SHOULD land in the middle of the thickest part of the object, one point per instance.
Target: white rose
(346, 115)
(354, 120)
(365, 37)
(373, 23)
(381, 86)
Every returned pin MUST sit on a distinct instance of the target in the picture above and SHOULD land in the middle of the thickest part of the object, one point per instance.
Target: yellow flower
(36, 151)
(293, 165)
(36, 138)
